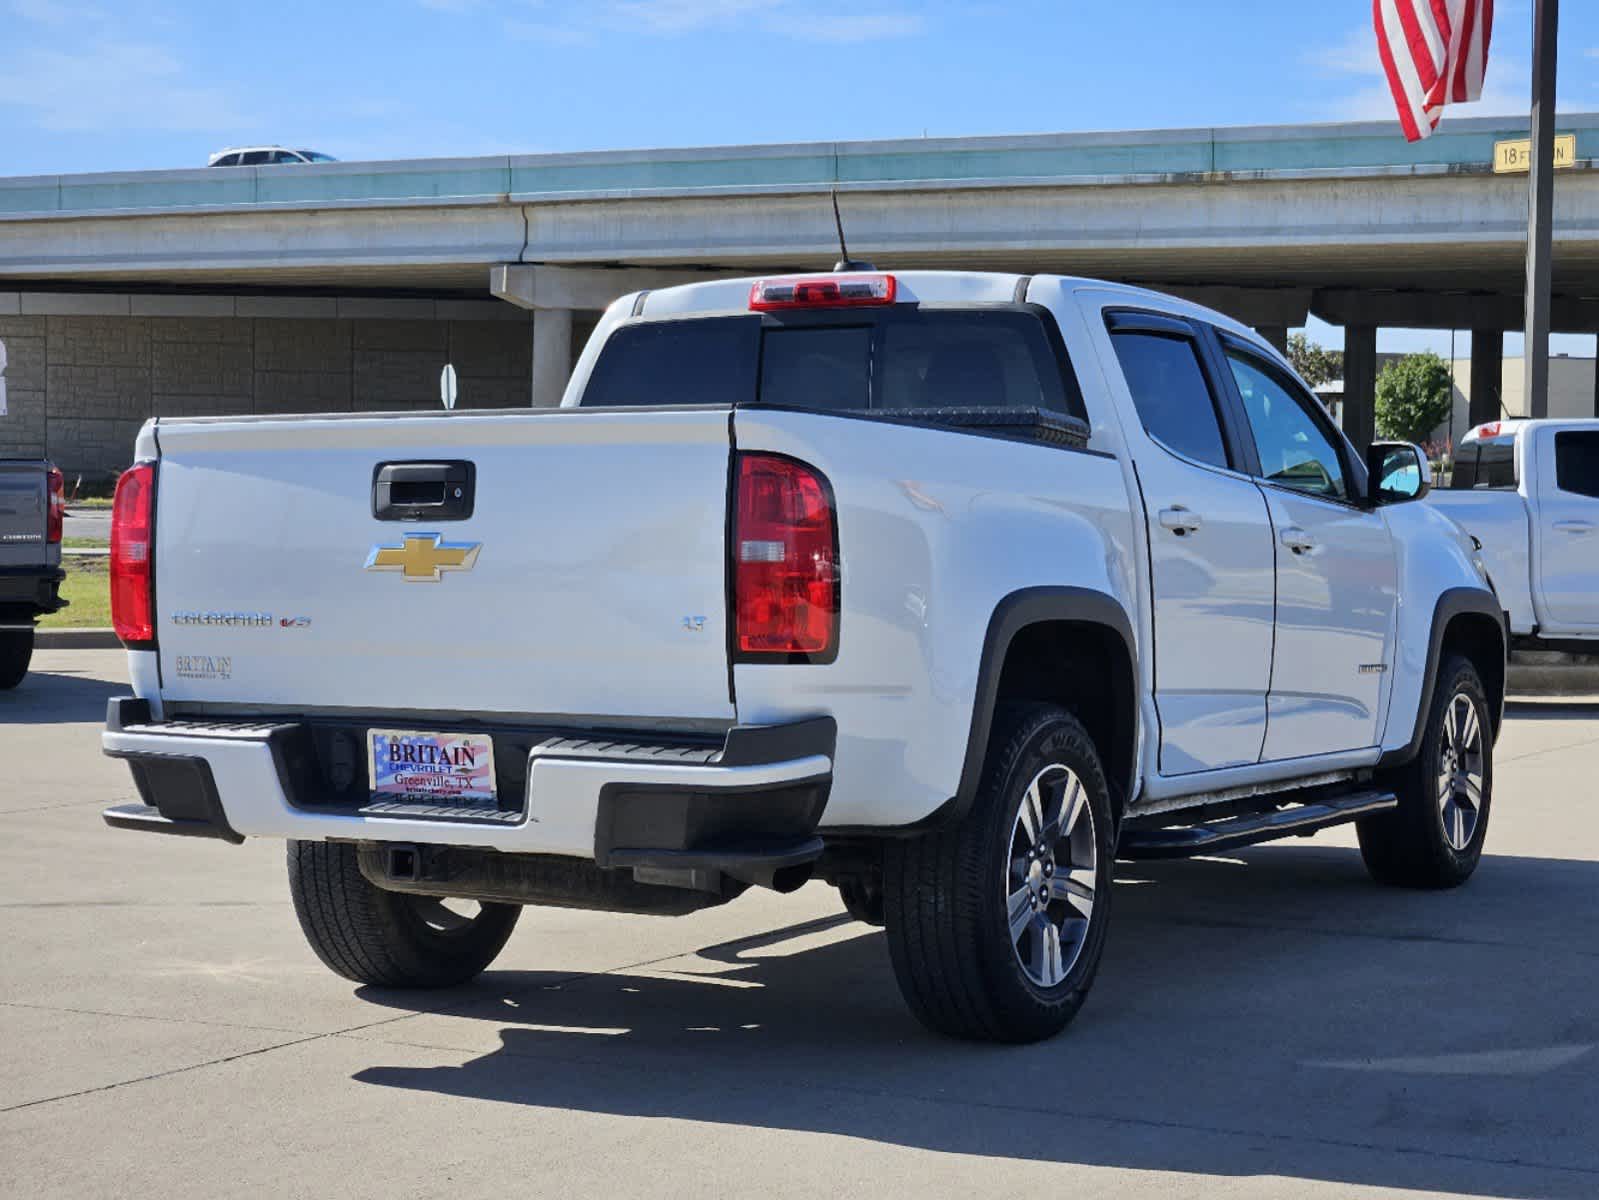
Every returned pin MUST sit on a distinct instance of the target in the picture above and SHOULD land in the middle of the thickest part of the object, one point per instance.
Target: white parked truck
(1528, 491)
(945, 588)
(32, 514)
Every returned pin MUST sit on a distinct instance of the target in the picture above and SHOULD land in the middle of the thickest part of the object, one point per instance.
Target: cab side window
(1171, 395)
(1294, 450)
(1577, 463)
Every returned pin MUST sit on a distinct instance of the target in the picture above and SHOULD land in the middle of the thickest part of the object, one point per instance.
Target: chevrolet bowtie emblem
(424, 557)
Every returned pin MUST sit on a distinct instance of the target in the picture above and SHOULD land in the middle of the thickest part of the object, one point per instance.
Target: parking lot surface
(1265, 1024)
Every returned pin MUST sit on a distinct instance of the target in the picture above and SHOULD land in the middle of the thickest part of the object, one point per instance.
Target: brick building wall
(80, 386)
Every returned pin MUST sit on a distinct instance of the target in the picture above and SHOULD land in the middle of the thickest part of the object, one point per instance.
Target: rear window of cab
(894, 359)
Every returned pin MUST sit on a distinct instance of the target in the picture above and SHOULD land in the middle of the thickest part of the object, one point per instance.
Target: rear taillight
(785, 560)
(852, 290)
(56, 521)
(132, 539)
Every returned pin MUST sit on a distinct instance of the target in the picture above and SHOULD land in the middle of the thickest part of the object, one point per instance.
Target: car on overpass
(265, 156)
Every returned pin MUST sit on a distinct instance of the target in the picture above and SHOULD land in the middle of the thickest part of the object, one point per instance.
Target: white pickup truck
(1529, 492)
(32, 515)
(945, 588)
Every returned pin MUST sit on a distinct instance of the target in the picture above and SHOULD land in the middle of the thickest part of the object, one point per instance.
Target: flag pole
(1540, 208)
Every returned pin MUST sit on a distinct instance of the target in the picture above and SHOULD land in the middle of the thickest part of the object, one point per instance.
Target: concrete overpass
(1269, 223)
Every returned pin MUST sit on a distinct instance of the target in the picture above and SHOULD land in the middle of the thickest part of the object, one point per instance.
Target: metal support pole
(1540, 206)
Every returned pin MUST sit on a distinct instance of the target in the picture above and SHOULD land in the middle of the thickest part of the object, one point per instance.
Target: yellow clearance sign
(1515, 156)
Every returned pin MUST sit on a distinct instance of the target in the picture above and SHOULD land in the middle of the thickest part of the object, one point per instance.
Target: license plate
(406, 764)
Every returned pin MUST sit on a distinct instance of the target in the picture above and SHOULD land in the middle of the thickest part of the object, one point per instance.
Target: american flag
(1434, 53)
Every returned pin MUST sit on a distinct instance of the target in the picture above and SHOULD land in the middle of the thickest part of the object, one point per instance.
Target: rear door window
(1169, 390)
(1577, 463)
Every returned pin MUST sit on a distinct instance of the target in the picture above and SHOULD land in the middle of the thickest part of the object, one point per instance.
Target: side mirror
(1397, 472)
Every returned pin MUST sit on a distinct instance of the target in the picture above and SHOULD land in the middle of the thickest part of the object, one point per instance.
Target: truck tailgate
(593, 535)
(24, 505)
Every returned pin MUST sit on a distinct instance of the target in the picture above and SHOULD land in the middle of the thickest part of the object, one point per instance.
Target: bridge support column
(554, 294)
(1277, 335)
(1596, 382)
(1487, 375)
(1360, 384)
(552, 355)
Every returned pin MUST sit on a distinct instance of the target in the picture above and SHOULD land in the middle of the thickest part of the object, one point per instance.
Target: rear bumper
(759, 796)
(26, 592)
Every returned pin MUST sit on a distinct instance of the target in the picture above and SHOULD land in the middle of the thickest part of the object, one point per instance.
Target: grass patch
(90, 502)
(87, 588)
(83, 543)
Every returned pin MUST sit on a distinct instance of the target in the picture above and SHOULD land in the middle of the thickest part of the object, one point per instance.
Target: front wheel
(16, 652)
(388, 939)
(1434, 838)
(996, 926)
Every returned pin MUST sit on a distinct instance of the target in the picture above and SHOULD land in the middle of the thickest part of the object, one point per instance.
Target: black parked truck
(32, 510)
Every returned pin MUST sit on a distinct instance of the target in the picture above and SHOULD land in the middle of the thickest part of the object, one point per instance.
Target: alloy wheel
(1460, 772)
(1051, 875)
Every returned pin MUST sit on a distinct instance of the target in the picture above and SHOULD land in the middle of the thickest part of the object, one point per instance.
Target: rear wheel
(996, 926)
(16, 652)
(1434, 838)
(389, 939)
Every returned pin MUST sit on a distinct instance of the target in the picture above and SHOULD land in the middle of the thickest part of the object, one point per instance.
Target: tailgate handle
(423, 491)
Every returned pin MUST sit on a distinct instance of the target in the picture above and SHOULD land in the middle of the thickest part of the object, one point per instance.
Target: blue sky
(131, 84)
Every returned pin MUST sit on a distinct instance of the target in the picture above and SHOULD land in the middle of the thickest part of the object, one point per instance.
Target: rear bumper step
(146, 818)
(1230, 833)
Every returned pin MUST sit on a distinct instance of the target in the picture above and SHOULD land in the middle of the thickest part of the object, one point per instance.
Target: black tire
(1410, 846)
(948, 895)
(16, 652)
(388, 939)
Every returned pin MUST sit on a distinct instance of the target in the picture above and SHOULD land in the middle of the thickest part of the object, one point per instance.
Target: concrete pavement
(87, 523)
(1265, 1024)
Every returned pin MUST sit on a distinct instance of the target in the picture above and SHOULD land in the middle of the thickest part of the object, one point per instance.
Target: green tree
(1414, 395)
(1316, 364)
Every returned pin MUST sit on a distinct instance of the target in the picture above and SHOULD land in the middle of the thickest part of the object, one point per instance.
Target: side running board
(1229, 833)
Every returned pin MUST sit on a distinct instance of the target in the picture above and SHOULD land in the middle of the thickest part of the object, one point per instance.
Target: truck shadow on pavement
(59, 697)
(1270, 1014)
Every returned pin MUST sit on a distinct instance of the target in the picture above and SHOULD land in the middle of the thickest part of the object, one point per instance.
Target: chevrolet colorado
(946, 588)
(32, 512)
(1529, 492)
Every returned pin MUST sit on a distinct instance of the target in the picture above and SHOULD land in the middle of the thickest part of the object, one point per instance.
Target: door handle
(414, 491)
(1180, 520)
(1297, 540)
(1577, 527)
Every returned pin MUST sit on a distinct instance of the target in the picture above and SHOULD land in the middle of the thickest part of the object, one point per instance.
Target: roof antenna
(845, 262)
